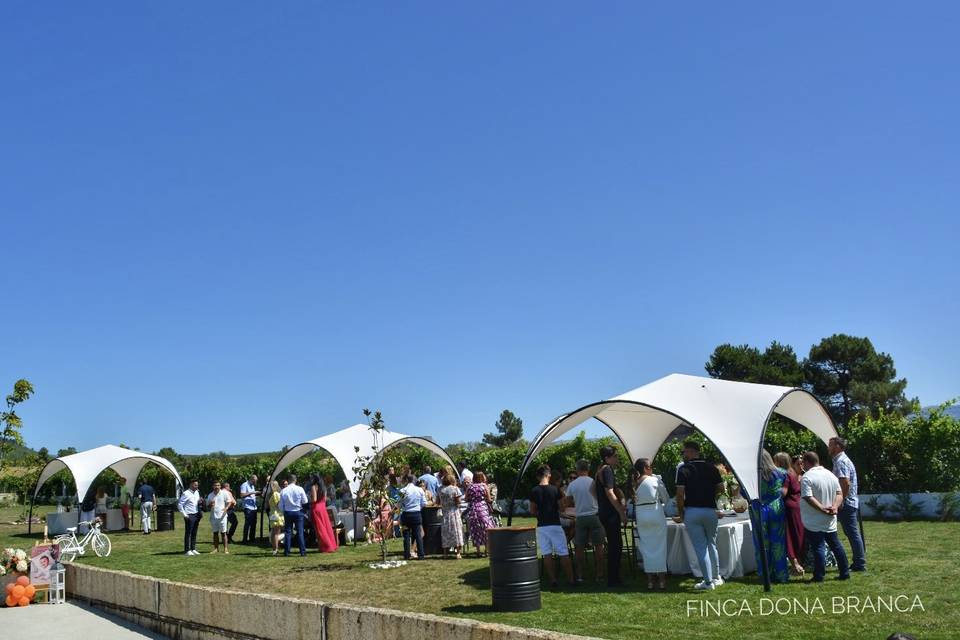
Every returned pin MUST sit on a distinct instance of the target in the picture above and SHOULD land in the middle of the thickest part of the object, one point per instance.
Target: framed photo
(43, 557)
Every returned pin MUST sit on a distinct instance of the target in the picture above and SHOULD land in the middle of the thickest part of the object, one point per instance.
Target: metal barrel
(165, 517)
(432, 530)
(514, 568)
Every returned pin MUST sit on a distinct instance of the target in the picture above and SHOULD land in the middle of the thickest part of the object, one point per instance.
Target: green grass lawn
(913, 559)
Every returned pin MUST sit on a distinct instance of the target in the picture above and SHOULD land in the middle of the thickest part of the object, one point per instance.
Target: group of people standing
(801, 504)
(598, 513)
(467, 502)
(287, 506)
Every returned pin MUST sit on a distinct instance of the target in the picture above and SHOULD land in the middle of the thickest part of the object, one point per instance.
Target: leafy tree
(777, 364)
(12, 424)
(69, 451)
(43, 454)
(510, 430)
(850, 377)
(896, 453)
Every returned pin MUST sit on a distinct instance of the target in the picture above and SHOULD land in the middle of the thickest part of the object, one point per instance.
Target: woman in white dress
(650, 496)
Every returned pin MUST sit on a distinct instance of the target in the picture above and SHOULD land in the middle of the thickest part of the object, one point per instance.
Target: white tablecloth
(114, 519)
(734, 546)
(57, 523)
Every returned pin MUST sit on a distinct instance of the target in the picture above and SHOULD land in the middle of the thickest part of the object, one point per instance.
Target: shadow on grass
(469, 609)
(324, 568)
(477, 578)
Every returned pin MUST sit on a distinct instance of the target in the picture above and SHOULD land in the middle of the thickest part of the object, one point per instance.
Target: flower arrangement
(13, 560)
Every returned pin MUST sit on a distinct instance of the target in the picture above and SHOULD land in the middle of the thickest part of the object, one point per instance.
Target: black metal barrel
(514, 568)
(432, 530)
(165, 517)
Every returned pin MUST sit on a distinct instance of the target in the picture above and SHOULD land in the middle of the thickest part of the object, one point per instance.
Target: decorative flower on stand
(14, 560)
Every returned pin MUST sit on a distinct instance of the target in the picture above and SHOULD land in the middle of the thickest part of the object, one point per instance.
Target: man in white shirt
(587, 525)
(189, 507)
(466, 476)
(412, 500)
(292, 500)
(821, 498)
(219, 501)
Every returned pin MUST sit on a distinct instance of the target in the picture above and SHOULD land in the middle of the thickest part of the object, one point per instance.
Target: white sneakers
(192, 552)
(709, 586)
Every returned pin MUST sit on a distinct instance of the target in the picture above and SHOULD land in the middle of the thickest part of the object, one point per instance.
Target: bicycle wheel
(67, 548)
(101, 545)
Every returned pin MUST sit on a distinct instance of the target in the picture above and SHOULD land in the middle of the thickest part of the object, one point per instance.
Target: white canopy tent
(341, 445)
(732, 415)
(87, 465)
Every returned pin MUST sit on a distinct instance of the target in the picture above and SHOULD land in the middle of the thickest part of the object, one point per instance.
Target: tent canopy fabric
(732, 415)
(87, 465)
(341, 445)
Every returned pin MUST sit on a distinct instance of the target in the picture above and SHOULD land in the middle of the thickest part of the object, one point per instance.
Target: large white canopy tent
(87, 465)
(732, 415)
(345, 445)
(341, 445)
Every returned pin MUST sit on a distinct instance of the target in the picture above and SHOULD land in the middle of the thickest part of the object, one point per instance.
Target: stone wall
(188, 612)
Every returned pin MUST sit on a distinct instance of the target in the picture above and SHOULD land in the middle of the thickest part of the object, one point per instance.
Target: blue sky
(231, 228)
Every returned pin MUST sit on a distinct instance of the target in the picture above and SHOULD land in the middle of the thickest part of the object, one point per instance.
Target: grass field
(918, 559)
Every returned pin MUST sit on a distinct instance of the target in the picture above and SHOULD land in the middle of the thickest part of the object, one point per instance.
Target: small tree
(509, 428)
(370, 471)
(11, 436)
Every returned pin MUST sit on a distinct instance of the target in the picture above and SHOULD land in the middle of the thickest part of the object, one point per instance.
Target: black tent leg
(863, 538)
(758, 530)
(354, 521)
(30, 518)
(513, 498)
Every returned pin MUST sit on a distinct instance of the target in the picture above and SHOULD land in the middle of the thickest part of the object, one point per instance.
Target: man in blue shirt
(292, 500)
(412, 500)
(146, 507)
(850, 509)
(431, 481)
(248, 499)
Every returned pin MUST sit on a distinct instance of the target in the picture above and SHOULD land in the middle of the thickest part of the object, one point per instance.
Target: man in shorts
(587, 528)
(219, 502)
(545, 505)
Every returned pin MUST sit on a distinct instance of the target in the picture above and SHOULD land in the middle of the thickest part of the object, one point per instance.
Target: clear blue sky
(233, 228)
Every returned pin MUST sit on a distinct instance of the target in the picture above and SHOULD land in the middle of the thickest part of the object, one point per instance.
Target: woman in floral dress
(772, 519)
(479, 518)
(452, 531)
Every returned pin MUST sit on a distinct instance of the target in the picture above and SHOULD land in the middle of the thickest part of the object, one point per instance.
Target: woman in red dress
(794, 524)
(326, 541)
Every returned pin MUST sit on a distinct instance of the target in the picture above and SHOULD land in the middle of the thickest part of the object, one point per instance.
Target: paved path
(51, 621)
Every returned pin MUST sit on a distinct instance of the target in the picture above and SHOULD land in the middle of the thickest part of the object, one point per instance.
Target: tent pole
(30, 517)
(758, 531)
(513, 496)
(863, 538)
(355, 521)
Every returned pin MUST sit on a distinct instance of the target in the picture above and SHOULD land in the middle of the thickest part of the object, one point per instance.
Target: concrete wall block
(269, 617)
(367, 623)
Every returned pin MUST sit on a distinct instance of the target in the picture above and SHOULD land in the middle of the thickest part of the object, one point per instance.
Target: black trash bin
(165, 517)
(432, 531)
(514, 568)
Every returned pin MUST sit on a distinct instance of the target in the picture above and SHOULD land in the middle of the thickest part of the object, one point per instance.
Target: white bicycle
(70, 547)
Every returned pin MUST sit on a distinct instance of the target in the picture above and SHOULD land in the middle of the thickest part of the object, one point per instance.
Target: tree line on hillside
(897, 446)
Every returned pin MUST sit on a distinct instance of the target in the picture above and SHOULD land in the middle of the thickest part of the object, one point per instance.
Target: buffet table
(734, 546)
